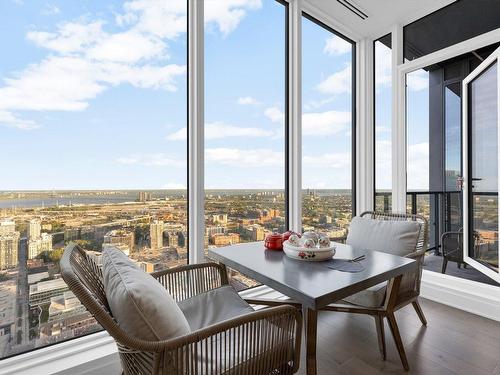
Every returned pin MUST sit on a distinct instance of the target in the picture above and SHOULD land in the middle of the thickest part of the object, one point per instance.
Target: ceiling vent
(353, 8)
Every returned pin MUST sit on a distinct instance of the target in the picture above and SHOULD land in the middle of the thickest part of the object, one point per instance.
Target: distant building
(8, 297)
(36, 277)
(325, 219)
(9, 248)
(7, 226)
(225, 239)
(254, 232)
(34, 229)
(173, 240)
(36, 246)
(71, 234)
(181, 239)
(65, 306)
(42, 292)
(219, 219)
(214, 229)
(156, 229)
(120, 237)
(144, 196)
(146, 266)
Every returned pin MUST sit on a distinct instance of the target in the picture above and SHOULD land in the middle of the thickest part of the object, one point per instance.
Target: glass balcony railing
(443, 210)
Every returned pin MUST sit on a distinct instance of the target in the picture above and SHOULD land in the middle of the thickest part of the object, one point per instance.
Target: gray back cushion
(139, 303)
(393, 237)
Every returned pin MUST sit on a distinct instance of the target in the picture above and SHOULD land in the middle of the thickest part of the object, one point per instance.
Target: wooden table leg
(311, 328)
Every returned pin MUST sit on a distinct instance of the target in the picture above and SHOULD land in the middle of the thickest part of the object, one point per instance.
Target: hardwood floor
(454, 342)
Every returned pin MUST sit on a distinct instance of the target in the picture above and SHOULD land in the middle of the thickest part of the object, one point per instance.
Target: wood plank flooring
(454, 342)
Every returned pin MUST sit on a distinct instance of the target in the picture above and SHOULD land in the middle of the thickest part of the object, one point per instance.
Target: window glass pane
(327, 129)
(417, 130)
(483, 118)
(245, 65)
(93, 148)
(383, 123)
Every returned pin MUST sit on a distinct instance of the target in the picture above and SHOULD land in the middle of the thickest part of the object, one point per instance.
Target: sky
(93, 96)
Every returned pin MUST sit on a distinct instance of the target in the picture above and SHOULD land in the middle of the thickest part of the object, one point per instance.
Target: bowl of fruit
(310, 246)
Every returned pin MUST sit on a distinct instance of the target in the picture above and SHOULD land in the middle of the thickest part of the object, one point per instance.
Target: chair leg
(397, 339)
(445, 262)
(379, 323)
(420, 312)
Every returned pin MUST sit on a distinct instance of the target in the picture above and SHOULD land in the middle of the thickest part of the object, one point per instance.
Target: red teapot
(274, 241)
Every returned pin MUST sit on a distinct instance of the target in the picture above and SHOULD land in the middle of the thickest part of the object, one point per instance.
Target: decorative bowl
(314, 254)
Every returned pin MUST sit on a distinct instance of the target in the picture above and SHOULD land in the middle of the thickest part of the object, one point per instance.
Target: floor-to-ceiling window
(383, 122)
(245, 122)
(328, 61)
(93, 149)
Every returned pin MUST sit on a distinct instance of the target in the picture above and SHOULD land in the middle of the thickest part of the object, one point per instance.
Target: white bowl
(314, 254)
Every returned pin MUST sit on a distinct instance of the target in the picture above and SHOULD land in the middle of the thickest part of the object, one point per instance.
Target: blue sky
(93, 96)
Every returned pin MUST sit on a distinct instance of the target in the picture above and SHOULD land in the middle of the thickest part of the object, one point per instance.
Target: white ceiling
(382, 14)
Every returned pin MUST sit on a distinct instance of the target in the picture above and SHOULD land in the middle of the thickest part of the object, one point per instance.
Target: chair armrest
(258, 342)
(193, 279)
(415, 255)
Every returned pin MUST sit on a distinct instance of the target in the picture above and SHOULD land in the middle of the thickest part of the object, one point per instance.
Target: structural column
(398, 124)
(196, 185)
(364, 127)
(295, 116)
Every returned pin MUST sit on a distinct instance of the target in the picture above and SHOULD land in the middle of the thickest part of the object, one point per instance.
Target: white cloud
(417, 80)
(152, 160)
(70, 37)
(219, 130)
(50, 10)
(316, 123)
(245, 158)
(68, 83)
(86, 60)
(337, 83)
(128, 47)
(418, 166)
(163, 19)
(325, 123)
(167, 19)
(8, 119)
(227, 14)
(336, 46)
(275, 115)
(247, 100)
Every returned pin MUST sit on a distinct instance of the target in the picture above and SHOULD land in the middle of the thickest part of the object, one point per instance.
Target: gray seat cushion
(371, 297)
(388, 236)
(213, 306)
(139, 303)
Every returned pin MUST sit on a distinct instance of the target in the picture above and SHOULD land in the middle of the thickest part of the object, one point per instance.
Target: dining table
(312, 285)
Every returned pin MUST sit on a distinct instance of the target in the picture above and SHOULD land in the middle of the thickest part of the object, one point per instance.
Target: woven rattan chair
(399, 292)
(261, 342)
